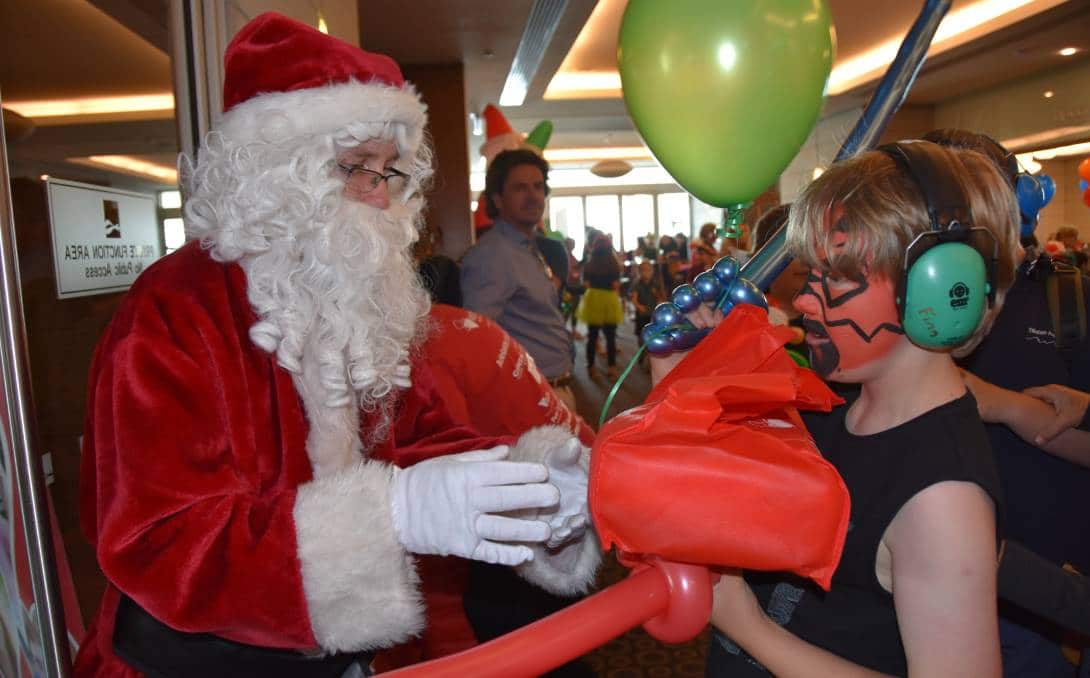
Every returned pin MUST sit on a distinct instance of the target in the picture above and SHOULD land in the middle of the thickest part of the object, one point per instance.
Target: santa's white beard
(340, 305)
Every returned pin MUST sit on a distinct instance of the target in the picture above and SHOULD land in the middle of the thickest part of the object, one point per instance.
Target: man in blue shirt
(505, 276)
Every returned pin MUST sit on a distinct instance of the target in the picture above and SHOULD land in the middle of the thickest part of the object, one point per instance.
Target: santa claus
(264, 450)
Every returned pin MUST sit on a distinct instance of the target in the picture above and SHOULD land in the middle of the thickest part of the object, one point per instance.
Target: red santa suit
(214, 506)
(196, 480)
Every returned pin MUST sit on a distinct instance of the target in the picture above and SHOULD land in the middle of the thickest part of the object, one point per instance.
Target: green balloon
(725, 92)
(539, 136)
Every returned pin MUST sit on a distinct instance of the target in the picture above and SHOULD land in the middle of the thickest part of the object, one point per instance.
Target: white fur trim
(536, 443)
(570, 569)
(326, 110)
(567, 571)
(361, 585)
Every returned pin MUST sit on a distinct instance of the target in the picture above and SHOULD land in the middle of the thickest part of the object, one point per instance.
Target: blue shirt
(504, 278)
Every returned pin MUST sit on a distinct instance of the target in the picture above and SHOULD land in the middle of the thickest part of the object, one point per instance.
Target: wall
(1067, 207)
(1018, 110)
(442, 87)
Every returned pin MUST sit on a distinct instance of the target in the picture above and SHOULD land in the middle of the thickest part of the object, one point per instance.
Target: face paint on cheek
(848, 323)
(865, 327)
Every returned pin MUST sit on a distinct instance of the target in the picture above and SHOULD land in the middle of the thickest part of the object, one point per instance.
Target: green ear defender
(945, 288)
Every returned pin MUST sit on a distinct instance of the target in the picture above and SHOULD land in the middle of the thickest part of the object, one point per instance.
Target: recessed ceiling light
(1049, 94)
(1068, 51)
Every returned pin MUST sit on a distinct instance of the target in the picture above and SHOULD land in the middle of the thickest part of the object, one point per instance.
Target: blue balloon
(725, 270)
(707, 286)
(1031, 196)
(686, 298)
(666, 314)
(1083, 185)
(745, 292)
(1049, 186)
(656, 341)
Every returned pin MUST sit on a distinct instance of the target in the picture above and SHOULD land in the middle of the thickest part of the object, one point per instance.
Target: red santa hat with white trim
(316, 84)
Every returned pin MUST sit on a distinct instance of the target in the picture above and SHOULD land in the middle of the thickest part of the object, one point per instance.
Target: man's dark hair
(981, 143)
(501, 166)
(768, 223)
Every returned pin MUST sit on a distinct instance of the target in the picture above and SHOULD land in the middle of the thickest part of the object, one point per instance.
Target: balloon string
(627, 370)
(733, 218)
(617, 386)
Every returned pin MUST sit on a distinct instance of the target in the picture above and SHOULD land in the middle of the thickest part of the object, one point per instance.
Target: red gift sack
(717, 468)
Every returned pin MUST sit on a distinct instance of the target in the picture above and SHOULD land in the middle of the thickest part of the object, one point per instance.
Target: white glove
(571, 519)
(445, 506)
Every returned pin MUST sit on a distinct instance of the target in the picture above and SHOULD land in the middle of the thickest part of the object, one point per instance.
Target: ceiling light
(1069, 51)
(1061, 151)
(1049, 94)
(124, 163)
(541, 25)
(611, 169)
(605, 153)
(44, 177)
(958, 27)
(584, 85)
(1048, 136)
(66, 108)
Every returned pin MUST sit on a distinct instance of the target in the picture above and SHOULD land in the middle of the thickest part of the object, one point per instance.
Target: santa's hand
(447, 506)
(566, 471)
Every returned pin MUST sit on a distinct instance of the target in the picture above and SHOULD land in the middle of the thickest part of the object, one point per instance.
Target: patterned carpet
(634, 654)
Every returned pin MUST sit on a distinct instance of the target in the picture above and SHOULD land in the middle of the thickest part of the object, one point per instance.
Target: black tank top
(856, 619)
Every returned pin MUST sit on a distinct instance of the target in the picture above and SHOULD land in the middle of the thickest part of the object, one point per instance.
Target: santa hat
(499, 135)
(316, 83)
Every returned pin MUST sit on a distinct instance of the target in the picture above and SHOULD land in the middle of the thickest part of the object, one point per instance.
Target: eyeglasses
(364, 180)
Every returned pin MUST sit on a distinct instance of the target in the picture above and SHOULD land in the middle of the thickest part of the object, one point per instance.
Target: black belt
(152, 647)
(561, 381)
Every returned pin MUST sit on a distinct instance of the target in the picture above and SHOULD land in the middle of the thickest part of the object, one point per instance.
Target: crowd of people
(294, 459)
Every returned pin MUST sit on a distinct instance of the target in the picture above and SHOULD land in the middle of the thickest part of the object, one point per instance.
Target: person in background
(646, 293)
(573, 287)
(673, 273)
(506, 277)
(439, 273)
(703, 253)
(1045, 493)
(682, 241)
(601, 308)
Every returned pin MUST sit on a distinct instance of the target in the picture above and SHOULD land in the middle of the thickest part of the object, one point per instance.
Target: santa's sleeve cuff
(361, 585)
(571, 569)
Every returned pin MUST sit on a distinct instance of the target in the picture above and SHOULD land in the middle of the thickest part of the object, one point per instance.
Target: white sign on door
(102, 237)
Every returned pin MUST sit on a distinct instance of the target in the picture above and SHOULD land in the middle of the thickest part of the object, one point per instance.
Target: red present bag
(717, 468)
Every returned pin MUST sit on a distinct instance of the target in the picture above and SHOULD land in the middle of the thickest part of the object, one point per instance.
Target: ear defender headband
(946, 284)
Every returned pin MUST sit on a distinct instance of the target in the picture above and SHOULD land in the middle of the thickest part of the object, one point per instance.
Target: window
(604, 214)
(173, 233)
(674, 214)
(638, 218)
(566, 216)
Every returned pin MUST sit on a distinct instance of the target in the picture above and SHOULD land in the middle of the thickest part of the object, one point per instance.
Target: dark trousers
(611, 343)
(498, 601)
(641, 320)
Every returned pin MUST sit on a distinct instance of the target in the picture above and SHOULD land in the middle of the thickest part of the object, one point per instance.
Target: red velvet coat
(196, 482)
